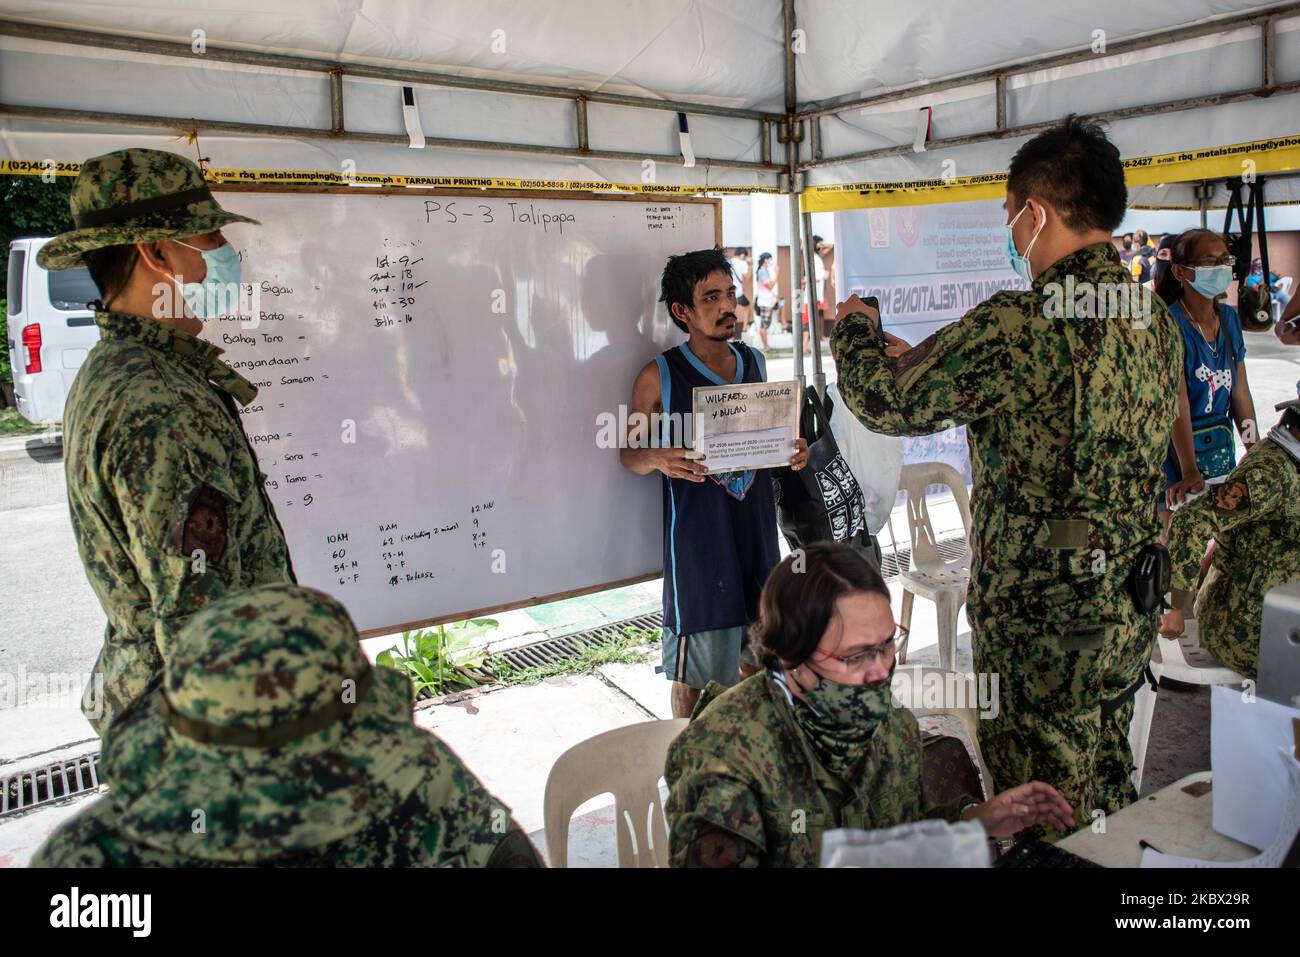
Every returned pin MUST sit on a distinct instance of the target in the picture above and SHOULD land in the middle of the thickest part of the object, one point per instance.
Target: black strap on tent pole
(1237, 239)
(1258, 193)
(1246, 200)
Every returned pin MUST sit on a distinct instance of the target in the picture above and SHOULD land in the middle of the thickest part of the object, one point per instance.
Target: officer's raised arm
(957, 375)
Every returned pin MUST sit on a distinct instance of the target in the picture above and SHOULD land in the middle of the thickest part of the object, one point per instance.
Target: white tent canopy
(721, 62)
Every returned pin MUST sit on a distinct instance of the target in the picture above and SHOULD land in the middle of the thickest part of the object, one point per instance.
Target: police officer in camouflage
(1069, 391)
(1254, 516)
(271, 741)
(167, 502)
(816, 741)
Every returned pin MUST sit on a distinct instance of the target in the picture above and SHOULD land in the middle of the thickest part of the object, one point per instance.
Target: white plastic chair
(931, 577)
(1185, 660)
(1139, 729)
(628, 762)
(910, 686)
(1179, 660)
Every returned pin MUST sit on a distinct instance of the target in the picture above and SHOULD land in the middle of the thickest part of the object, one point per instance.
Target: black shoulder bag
(823, 502)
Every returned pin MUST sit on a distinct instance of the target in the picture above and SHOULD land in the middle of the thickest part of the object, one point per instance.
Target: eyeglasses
(882, 652)
(1222, 261)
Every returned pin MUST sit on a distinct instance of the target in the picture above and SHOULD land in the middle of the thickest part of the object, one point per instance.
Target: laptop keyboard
(1041, 854)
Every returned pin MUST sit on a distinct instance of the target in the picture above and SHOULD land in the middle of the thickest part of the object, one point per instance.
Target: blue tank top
(1210, 367)
(1209, 370)
(720, 534)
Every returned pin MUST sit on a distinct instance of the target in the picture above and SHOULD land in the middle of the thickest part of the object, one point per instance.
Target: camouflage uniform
(747, 787)
(167, 502)
(1254, 516)
(271, 741)
(1068, 420)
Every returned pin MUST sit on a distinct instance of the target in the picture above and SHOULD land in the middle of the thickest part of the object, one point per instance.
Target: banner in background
(927, 265)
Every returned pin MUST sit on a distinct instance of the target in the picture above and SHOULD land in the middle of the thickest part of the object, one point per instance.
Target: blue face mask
(1018, 262)
(1212, 281)
(219, 291)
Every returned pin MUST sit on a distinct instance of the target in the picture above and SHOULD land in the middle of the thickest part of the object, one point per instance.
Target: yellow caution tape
(229, 177)
(1256, 158)
(1220, 162)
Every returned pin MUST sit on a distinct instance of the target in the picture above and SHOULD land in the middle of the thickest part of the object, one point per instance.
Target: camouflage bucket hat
(135, 196)
(270, 727)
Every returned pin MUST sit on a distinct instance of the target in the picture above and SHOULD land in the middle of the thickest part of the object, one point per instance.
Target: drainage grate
(950, 549)
(30, 789)
(551, 650)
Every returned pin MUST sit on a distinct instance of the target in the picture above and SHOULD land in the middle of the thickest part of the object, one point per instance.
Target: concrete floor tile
(511, 738)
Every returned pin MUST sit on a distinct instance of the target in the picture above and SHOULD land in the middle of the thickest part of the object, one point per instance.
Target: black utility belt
(1148, 580)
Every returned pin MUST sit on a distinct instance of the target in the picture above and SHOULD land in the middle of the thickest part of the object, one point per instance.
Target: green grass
(625, 650)
(11, 423)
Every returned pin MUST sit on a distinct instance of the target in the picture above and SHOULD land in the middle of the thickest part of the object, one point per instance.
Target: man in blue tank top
(719, 530)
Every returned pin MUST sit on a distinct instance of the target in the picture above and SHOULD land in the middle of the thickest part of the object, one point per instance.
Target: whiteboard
(432, 372)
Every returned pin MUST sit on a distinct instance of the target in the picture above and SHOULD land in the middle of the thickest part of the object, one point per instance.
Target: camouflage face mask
(843, 718)
(852, 706)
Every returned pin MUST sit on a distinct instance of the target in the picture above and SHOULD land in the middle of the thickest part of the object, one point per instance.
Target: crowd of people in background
(761, 300)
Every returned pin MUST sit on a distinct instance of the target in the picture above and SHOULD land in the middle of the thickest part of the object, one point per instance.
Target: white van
(50, 330)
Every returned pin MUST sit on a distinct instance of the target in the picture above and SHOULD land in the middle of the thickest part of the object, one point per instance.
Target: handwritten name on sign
(747, 426)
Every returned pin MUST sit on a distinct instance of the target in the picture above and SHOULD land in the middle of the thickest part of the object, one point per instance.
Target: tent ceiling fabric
(721, 52)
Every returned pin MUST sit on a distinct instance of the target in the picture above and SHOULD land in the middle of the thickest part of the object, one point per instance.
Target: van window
(71, 289)
(16, 260)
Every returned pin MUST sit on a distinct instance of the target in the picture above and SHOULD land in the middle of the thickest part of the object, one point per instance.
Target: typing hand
(1020, 807)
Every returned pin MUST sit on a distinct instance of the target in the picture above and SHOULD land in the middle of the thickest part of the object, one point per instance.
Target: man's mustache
(728, 315)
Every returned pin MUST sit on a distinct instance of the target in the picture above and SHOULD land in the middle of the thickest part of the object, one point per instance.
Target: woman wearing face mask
(1214, 393)
(815, 741)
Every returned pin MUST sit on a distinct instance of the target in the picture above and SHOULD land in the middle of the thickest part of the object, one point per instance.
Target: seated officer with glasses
(815, 741)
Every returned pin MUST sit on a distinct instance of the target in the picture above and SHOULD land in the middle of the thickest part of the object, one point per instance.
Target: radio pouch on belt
(1148, 580)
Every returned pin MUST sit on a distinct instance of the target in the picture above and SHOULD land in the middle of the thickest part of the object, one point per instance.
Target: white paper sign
(747, 426)
(1250, 786)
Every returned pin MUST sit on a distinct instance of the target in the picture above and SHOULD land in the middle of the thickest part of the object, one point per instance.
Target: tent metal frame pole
(281, 61)
(1263, 17)
(814, 317)
(584, 143)
(1267, 47)
(792, 181)
(337, 125)
(1029, 129)
(186, 124)
(1203, 191)
(336, 71)
(792, 120)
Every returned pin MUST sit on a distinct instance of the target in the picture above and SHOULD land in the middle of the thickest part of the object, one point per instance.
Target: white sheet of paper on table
(1275, 852)
(1250, 787)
